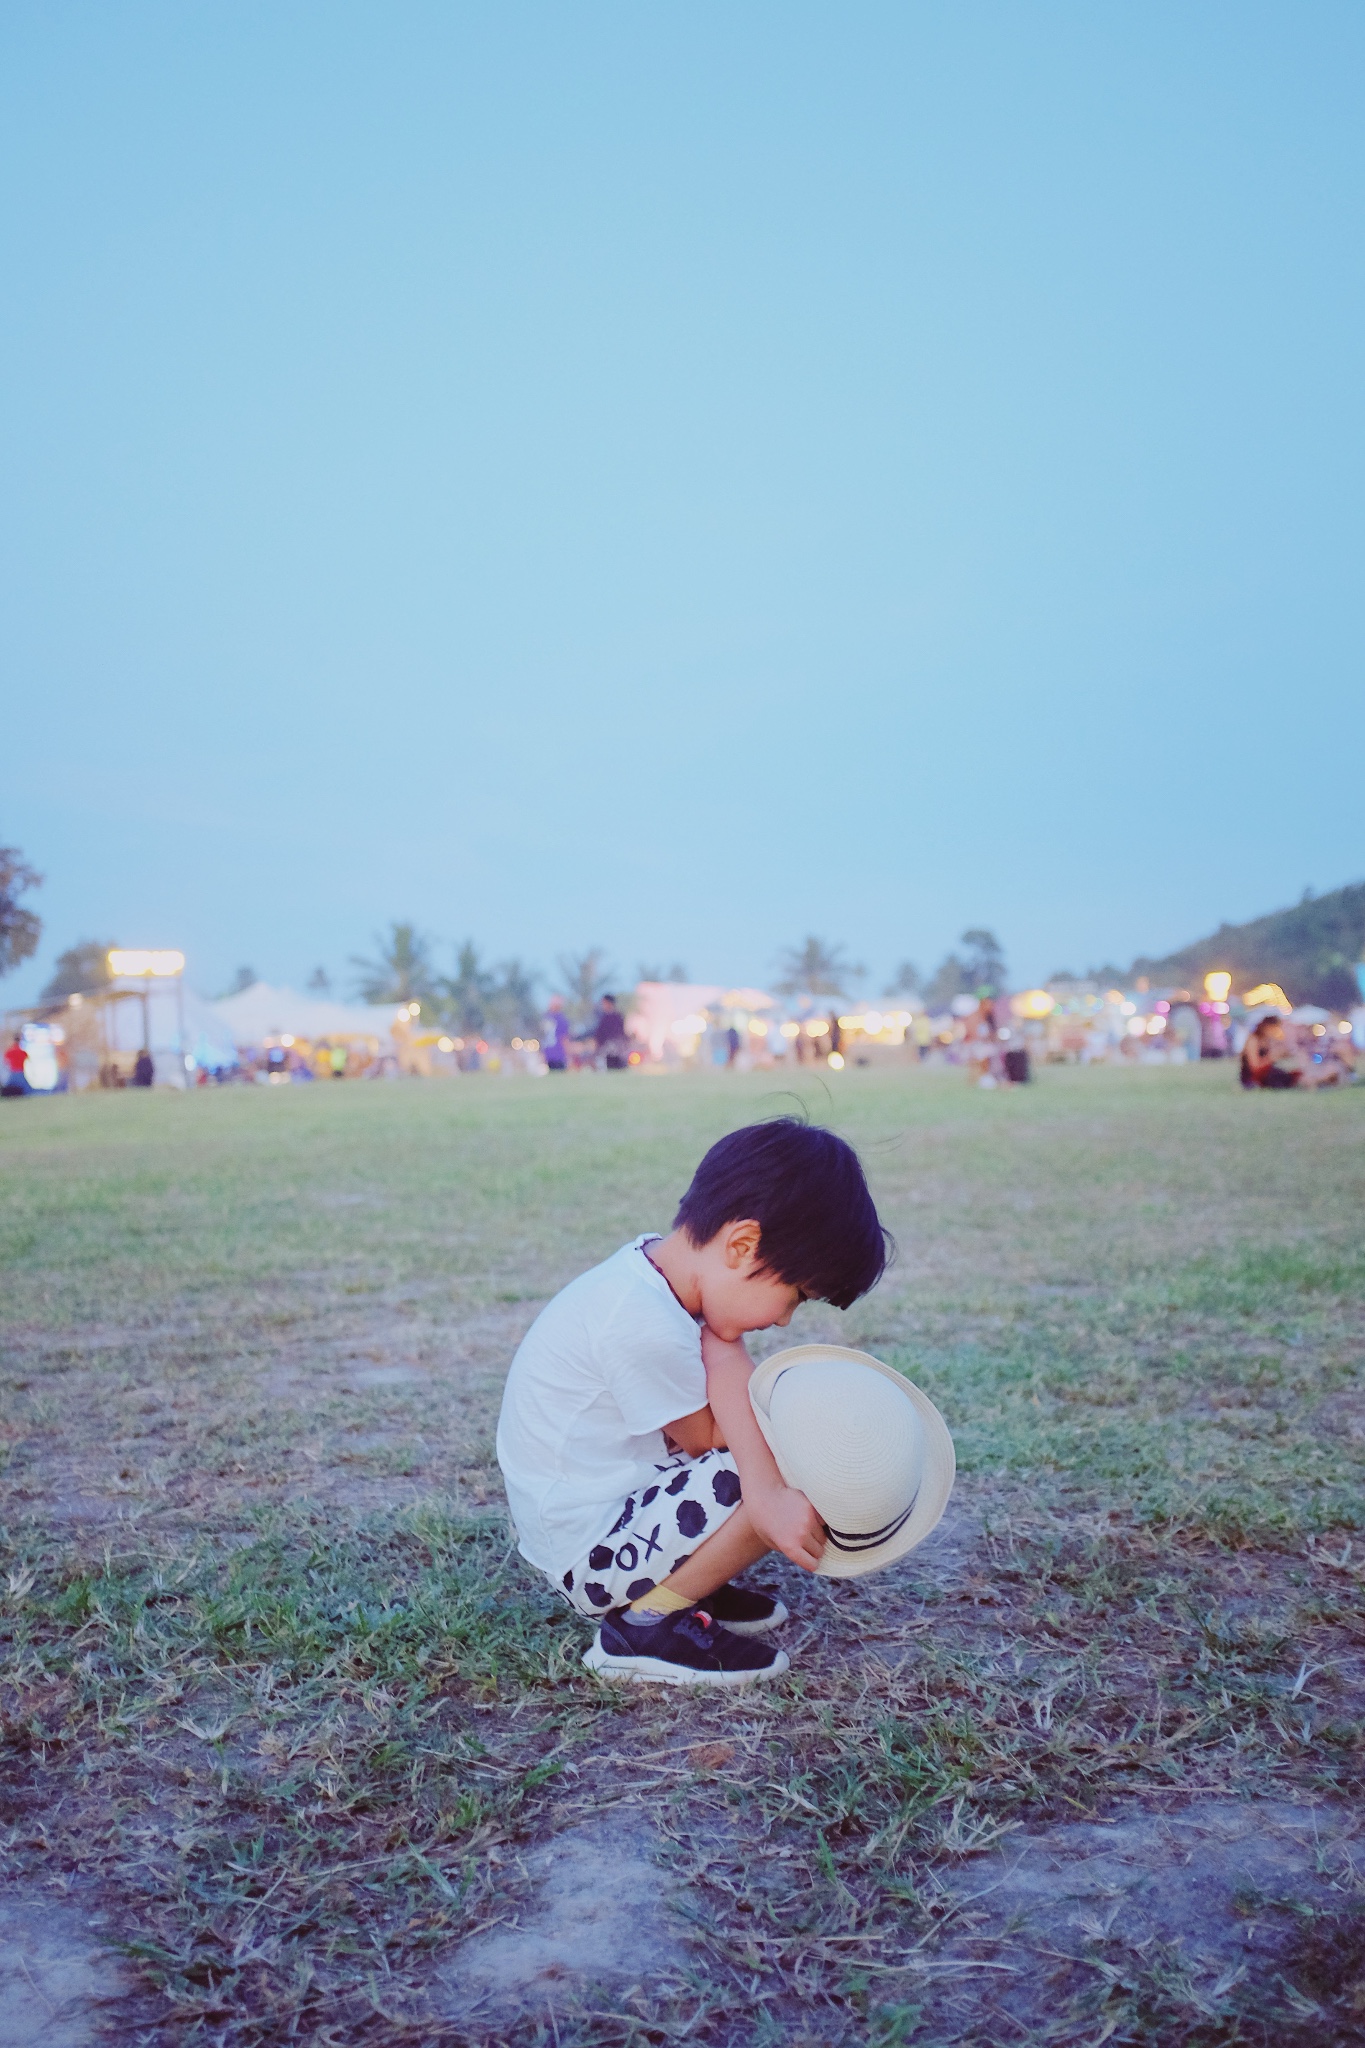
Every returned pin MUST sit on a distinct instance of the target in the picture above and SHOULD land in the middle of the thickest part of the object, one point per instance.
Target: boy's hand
(781, 1514)
(785, 1519)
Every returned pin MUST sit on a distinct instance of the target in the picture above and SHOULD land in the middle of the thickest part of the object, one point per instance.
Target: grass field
(289, 1726)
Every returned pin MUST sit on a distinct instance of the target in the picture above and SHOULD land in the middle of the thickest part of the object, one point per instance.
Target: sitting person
(639, 1481)
(1271, 1058)
(1330, 1058)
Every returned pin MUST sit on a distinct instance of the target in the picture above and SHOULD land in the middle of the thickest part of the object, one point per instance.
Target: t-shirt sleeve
(651, 1360)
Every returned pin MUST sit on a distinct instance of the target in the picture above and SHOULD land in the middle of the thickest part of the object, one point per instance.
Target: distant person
(144, 1070)
(337, 1061)
(1184, 1035)
(1213, 1033)
(979, 1043)
(609, 1034)
(1269, 1060)
(556, 1036)
(731, 1046)
(16, 1076)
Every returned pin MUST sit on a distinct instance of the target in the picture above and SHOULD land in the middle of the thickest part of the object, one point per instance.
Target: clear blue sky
(680, 477)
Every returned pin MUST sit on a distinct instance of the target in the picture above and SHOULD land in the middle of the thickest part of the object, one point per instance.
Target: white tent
(208, 1040)
(672, 1013)
(262, 1012)
(111, 1024)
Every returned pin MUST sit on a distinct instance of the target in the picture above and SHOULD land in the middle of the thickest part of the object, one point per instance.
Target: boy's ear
(741, 1242)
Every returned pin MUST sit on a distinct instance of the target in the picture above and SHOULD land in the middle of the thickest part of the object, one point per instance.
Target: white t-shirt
(612, 1358)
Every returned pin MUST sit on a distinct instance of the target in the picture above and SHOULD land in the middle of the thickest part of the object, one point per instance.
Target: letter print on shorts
(655, 1531)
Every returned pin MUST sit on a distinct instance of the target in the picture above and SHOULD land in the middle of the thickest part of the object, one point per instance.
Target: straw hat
(870, 1452)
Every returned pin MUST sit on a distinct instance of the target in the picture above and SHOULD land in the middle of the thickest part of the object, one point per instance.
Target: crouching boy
(638, 1477)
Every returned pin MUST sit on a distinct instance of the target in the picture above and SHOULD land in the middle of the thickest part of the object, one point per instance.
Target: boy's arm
(780, 1513)
(695, 1433)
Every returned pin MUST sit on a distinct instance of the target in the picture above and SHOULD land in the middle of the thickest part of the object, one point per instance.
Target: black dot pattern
(691, 1518)
(655, 1532)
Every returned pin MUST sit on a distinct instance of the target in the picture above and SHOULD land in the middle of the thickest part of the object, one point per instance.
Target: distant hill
(1310, 951)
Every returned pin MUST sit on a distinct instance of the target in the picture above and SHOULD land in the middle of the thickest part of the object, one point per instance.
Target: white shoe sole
(654, 1671)
(755, 1628)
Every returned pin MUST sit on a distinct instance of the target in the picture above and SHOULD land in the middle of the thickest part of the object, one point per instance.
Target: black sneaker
(687, 1648)
(743, 1612)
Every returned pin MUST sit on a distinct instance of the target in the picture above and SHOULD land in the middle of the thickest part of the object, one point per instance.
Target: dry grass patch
(280, 1703)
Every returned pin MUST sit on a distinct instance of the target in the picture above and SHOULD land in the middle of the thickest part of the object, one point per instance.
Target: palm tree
(815, 969)
(586, 977)
(467, 994)
(401, 969)
(906, 980)
(985, 960)
(513, 1008)
(978, 971)
(950, 978)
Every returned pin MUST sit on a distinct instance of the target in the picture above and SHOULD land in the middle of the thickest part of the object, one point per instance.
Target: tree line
(504, 998)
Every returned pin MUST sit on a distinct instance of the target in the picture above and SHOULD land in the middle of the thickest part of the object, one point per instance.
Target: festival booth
(1082, 1023)
(96, 1037)
(280, 1035)
(46, 1067)
(688, 1023)
(869, 1037)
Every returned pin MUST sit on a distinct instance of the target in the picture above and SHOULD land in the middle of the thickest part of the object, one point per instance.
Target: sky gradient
(679, 479)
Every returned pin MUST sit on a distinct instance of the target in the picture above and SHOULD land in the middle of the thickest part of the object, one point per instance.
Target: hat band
(848, 1539)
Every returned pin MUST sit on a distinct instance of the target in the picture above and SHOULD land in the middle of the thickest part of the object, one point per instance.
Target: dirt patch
(1343, 1415)
(386, 1376)
(1221, 1888)
(596, 1912)
(54, 1976)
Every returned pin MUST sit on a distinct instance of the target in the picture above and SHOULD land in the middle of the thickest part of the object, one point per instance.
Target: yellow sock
(658, 1600)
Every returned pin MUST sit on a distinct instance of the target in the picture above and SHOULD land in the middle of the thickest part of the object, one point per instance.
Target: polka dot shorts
(656, 1531)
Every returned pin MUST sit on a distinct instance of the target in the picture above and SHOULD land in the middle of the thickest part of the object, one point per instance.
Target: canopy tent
(104, 1029)
(262, 1012)
(208, 1039)
(673, 1014)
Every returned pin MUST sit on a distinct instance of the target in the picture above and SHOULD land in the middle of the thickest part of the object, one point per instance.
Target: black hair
(805, 1189)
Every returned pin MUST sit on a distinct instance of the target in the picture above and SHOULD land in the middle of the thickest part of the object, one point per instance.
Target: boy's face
(738, 1293)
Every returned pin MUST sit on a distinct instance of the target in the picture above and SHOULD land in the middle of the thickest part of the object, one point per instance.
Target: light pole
(1213, 1036)
(134, 963)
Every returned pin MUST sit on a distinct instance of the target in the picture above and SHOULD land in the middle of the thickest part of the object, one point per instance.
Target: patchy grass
(280, 1701)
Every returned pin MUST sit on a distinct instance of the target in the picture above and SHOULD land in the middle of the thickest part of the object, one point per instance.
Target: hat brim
(936, 1478)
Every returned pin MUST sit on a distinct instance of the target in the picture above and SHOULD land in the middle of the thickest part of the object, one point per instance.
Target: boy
(638, 1478)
